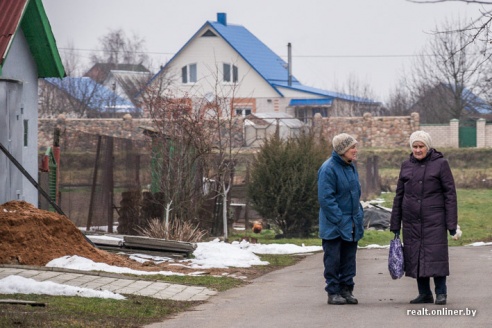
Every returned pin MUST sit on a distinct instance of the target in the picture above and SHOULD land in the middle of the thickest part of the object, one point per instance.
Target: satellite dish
(209, 96)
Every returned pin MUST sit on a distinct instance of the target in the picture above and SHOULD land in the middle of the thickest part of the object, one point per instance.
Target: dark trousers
(439, 284)
(339, 260)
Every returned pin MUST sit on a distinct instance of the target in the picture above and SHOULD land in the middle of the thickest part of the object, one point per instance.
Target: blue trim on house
(325, 93)
(310, 102)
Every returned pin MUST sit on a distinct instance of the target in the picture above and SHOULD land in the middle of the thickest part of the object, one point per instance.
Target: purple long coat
(426, 205)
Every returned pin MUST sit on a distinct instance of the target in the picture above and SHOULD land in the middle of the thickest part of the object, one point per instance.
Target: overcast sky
(371, 40)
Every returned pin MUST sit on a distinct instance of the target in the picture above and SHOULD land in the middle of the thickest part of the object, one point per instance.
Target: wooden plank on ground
(31, 303)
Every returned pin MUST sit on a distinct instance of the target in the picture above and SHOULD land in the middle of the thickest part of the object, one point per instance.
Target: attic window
(189, 73)
(209, 33)
(230, 73)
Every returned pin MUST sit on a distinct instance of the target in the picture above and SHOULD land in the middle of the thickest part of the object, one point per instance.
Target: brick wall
(443, 135)
(74, 131)
(370, 131)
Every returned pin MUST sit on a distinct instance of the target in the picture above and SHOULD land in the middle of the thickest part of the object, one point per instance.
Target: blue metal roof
(325, 93)
(96, 96)
(268, 64)
(310, 102)
(472, 101)
(261, 58)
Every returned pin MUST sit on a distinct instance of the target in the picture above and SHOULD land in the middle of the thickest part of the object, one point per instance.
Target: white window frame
(243, 111)
(189, 73)
(230, 73)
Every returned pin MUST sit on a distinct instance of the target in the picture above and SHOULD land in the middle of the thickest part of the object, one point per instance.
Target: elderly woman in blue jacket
(340, 219)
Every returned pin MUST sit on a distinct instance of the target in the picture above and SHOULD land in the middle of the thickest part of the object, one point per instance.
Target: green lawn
(474, 215)
(474, 218)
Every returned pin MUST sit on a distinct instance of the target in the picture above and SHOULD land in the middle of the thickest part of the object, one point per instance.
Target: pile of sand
(30, 236)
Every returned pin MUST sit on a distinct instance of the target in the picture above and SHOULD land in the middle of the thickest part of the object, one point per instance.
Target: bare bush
(177, 230)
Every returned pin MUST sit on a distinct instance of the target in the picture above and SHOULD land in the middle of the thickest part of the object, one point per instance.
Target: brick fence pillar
(415, 121)
(454, 133)
(481, 133)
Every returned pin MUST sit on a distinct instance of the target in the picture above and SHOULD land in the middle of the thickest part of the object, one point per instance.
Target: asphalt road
(295, 297)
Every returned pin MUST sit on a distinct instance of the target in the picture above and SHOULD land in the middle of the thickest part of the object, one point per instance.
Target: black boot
(441, 299)
(336, 299)
(346, 292)
(423, 298)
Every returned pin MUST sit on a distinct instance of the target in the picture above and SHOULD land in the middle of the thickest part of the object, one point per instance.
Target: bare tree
(118, 48)
(442, 76)
(209, 133)
(478, 29)
(180, 148)
(399, 100)
(223, 123)
(71, 62)
(356, 98)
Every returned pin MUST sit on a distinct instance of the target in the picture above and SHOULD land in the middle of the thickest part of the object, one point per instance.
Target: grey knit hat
(421, 136)
(343, 142)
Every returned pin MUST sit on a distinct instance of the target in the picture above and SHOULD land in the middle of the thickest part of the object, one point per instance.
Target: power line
(298, 56)
(295, 56)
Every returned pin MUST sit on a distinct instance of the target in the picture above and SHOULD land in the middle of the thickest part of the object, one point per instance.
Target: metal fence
(94, 175)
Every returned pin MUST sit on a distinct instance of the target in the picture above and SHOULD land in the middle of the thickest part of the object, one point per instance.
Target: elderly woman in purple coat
(425, 208)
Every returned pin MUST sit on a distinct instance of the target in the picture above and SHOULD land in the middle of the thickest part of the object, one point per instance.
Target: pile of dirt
(30, 236)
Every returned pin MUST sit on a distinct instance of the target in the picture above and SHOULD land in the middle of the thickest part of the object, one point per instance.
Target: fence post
(481, 133)
(454, 133)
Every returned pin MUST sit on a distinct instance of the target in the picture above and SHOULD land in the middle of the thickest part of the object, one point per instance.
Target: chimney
(222, 18)
(289, 64)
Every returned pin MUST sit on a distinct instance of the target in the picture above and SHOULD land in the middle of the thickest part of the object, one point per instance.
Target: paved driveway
(294, 297)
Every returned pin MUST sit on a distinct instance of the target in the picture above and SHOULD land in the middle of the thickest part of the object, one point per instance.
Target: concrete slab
(46, 275)
(112, 282)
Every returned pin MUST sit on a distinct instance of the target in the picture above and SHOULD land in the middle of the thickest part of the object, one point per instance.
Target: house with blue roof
(126, 80)
(82, 97)
(443, 102)
(28, 52)
(228, 61)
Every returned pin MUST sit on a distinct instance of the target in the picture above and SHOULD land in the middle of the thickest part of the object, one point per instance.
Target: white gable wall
(19, 65)
(209, 53)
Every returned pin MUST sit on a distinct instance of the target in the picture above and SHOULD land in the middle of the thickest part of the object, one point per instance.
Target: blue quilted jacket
(339, 192)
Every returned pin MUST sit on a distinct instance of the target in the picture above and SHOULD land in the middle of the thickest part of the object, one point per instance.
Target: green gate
(468, 136)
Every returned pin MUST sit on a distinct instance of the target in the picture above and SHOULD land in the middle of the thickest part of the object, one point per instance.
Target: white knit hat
(343, 142)
(421, 136)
